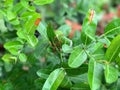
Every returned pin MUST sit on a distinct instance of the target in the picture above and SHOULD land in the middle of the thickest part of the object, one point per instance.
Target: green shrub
(51, 60)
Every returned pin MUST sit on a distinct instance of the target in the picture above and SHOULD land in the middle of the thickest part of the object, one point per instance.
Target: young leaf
(113, 28)
(10, 15)
(13, 47)
(42, 2)
(30, 26)
(32, 40)
(21, 34)
(22, 57)
(77, 57)
(54, 79)
(15, 22)
(13, 44)
(18, 8)
(24, 3)
(95, 72)
(9, 58)
(55, 42)
(113, 50)
(89, 28)
(111, 74)
(63, 39)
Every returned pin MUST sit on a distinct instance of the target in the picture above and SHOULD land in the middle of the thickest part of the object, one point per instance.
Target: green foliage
(54, 79)
(95, 71)
(113, 50)
(111, 77)
(13, 47)
(89, 27)
(22, 57)
(42, 2)
(77, 57)
(41, 56)
(112, 28)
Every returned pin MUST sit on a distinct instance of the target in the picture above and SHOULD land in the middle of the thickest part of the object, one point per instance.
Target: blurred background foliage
(66, 15)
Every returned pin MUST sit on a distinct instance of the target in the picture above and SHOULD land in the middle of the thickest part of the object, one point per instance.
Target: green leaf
(2, 26)
(13, 47)
(118, 84)
(10, 15)
(42, 30)
(21, 34)
(22, 57)
(43, 73)
(111, 74)
(77, 57)
(41, 47)
(89, 28)
(30, 26)
(66, 83)
(113, 28)
(77, 71)
(113, 50)
(50, 33)
(8, 67)
(65, 40)
(32, 40)
(42, 2)
(65, 29)
(15, 21)
(18, 8)
(66, 48)
(8, 3)
(95, 72)
(54, 79)
(80, 86)
(105, 41)
(93, 47)
(24, 3)
(9, 58)
(26, 15)
(13, 44)
(118, 60)
(99, 54)
(79, 78)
